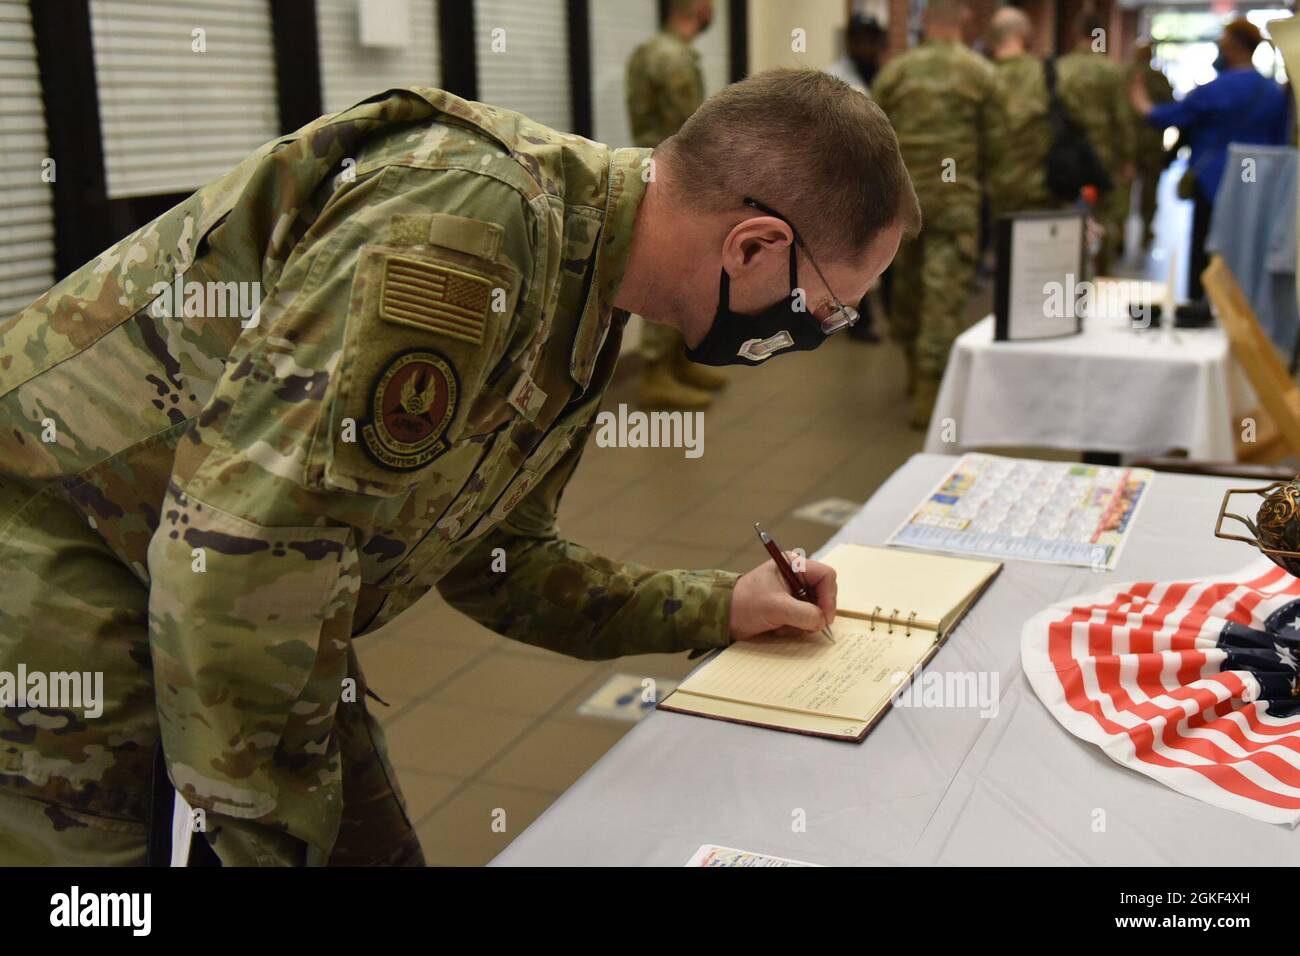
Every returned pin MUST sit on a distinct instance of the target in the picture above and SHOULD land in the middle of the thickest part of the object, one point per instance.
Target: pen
(794, 581)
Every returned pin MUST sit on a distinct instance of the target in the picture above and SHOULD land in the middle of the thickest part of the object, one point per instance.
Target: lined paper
(847, 679)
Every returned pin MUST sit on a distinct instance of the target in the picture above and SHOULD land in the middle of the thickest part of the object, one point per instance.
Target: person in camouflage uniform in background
(1019, 184)
(1149, 142)
(207, 506)
(942, 100)
(1093, 90)
(664, 87)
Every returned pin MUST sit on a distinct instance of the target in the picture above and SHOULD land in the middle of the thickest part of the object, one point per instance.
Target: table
(927, 786)
(1108, 389)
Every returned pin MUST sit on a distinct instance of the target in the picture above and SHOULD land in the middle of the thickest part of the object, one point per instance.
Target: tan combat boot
(698, 376)
(661, 389)
(925, 394)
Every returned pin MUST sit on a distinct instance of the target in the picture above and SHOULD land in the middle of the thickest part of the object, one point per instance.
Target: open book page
(849, 680)
(933, 586)
(837, 689)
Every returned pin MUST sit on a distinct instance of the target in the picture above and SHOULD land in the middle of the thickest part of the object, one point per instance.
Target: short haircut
(803, 143)
(1008, 22)
(1244, 33)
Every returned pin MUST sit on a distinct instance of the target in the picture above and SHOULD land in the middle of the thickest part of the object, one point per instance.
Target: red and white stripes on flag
(1193, 683)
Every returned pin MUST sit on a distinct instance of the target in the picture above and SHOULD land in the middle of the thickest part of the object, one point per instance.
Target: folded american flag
(1193, 683)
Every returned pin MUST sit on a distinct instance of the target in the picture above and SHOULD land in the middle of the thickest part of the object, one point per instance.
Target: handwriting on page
(849, 678)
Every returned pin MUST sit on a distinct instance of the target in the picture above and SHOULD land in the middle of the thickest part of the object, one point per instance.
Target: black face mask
(751, 339)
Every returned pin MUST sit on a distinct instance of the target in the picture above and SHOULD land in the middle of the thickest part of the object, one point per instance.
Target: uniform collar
(624, 191)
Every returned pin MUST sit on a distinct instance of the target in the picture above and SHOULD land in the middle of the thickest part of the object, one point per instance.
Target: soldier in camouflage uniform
(207, 507)
(1020, 183)
(942, 100)
(1093, 90)
(664, 87)
(1149, 142)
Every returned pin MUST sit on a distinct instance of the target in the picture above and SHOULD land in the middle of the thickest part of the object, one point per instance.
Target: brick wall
(898, 14)
(1042, 14)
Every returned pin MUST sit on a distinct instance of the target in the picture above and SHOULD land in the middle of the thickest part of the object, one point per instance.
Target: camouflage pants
(932, 283)
(1149, 178)
(375, 830)
(33, 833)
(1112, 213)
(660, 342)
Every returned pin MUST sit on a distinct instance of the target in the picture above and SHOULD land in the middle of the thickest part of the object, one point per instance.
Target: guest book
(896, 608)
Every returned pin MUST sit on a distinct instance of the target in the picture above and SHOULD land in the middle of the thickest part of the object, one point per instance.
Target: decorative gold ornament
(1276, 528)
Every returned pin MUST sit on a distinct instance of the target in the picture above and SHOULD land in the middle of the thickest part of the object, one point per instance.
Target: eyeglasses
(843, 316)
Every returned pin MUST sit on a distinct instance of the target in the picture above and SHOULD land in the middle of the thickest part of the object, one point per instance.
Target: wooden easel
(1277, 423)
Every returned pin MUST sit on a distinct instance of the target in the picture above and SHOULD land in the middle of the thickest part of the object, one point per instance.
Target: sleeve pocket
(247, 669)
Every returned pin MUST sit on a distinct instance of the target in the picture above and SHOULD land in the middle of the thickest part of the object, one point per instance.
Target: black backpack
(1071, 162)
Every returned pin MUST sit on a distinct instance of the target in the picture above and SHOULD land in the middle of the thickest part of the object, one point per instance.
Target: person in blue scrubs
(1237, 106)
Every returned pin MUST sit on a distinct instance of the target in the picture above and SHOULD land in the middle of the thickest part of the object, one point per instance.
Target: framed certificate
(1041, 262)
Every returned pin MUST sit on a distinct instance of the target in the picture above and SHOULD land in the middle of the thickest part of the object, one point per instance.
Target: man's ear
(752, 239)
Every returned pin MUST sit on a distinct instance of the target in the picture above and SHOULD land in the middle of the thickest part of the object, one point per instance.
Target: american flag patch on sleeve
(436, 297)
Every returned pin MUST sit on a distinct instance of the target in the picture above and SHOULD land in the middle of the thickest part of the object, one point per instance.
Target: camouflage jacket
(664, 87)
(1095, 95)
(942, 100)
(206, 507)
(1020, 182)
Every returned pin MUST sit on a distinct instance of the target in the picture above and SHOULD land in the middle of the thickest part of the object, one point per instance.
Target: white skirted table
(1109, 389)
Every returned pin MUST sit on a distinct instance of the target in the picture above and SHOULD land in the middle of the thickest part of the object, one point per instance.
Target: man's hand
(762, 604)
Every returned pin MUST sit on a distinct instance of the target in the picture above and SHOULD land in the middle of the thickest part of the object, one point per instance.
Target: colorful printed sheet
(710, 855)
(1050, 511)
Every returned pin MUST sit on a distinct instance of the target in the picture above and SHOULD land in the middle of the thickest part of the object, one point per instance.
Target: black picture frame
(1004, 228)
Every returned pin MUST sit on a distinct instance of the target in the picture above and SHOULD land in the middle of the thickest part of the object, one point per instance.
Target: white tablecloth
(927, 785)
(1109, 389)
